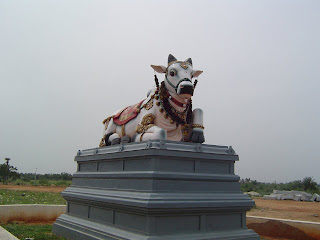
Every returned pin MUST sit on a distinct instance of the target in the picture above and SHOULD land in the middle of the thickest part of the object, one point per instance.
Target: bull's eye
(173, 72)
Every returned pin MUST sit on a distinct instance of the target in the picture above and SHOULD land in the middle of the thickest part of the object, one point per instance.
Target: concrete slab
(5, 235)
(288, 195)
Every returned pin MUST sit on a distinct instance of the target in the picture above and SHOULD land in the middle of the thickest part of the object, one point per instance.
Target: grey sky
(66, 65)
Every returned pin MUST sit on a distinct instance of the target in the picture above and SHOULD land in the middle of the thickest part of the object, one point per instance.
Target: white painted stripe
(283, 220)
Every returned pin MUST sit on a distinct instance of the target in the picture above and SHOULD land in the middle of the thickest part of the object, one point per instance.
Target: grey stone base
(155, 190)
(76, 228)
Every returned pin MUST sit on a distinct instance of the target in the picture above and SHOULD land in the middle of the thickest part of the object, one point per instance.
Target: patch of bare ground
(286, 209)
(55, 189)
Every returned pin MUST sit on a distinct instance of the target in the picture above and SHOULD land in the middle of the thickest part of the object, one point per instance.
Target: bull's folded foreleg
(147, 130)
(151, 133)
(114, 139)
(197, 135)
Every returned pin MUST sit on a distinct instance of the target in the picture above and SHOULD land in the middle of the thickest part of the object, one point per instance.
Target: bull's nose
(185, 82)
(185, 87)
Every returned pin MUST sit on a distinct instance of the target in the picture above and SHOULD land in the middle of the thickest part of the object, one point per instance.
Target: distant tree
(49, 176)
(309, 184)
(66, 176)
(295, 185)
(8, 172)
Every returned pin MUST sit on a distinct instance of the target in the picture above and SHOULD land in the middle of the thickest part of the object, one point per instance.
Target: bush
(44, 182)
(20, 182)
(62, 183)
(34, 183)
(25, 179)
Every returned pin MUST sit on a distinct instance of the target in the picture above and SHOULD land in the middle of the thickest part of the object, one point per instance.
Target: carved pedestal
(155, 190)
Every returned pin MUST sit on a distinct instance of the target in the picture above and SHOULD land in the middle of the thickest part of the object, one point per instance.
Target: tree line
(9, 173)
(308, 184)
(48, 176)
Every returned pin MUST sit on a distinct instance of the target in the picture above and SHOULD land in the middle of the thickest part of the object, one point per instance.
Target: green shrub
(34, 183)
(20, 182)
(62, 183)
(25, 179)
(44, 182)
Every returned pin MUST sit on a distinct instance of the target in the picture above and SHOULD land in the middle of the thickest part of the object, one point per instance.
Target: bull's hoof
(197, 137)
(125, 139)
(115, 141)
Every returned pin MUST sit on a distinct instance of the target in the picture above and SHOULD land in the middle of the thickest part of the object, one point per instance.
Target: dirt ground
(54, 189)
(286, 209)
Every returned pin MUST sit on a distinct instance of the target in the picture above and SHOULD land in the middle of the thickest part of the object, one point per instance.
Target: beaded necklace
(176, 116)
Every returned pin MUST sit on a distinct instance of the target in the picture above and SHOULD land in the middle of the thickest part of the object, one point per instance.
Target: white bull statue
(166, 113)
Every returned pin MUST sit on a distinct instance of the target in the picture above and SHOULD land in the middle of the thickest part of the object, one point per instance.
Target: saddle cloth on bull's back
(126, 114)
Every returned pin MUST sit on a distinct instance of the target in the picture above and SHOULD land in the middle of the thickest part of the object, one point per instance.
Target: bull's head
(178, 76)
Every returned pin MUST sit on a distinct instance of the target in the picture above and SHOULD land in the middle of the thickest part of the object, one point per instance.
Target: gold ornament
(106, 122)
(184, 65)
(146, 123)
(102, 143)
(123, 130)
(197, 126)
(149, 104)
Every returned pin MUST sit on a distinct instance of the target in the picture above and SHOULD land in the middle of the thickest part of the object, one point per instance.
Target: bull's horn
(171, 58)
(189, 60)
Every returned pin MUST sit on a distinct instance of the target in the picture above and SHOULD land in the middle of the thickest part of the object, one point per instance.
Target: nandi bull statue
(166, 113)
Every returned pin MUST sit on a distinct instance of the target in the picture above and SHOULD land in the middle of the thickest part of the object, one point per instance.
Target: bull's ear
(196, 73)
(159, 68)
(189, 60)
(171, 58)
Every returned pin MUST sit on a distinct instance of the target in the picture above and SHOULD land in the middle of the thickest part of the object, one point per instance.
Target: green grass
(36, 232)
(42, 182)
(8, 197)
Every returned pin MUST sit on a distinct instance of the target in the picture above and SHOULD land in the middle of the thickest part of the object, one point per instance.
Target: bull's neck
(177, 101)
(179, 111)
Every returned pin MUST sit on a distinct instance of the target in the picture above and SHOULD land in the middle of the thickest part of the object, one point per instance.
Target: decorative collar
(165, 106)
(180, 104)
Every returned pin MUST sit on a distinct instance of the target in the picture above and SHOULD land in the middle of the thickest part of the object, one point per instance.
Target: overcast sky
(67, 65)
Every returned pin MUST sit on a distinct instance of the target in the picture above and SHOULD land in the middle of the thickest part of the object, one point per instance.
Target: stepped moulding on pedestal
(155, 190)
